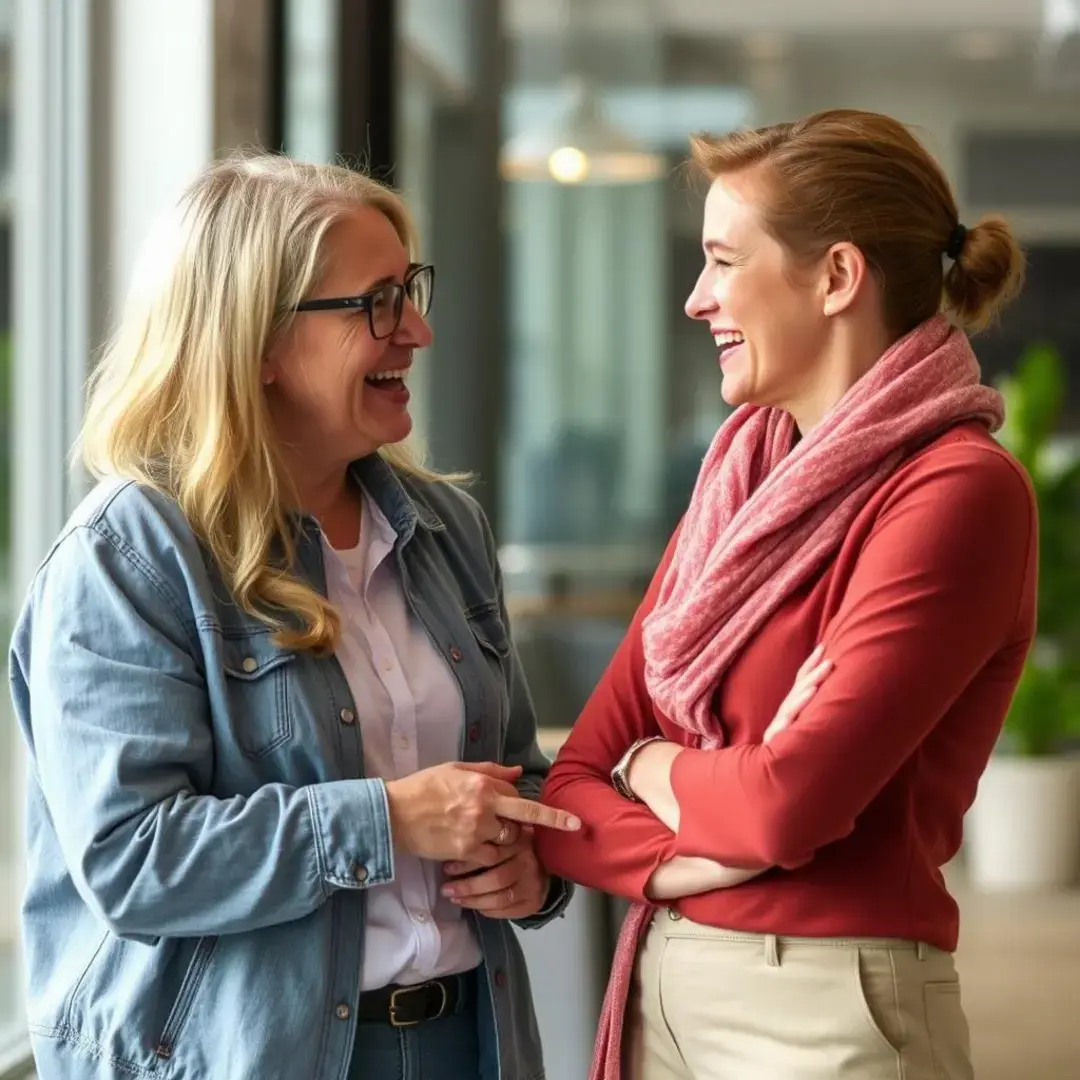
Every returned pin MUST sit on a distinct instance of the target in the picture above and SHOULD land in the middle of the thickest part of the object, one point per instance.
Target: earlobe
(845, 269)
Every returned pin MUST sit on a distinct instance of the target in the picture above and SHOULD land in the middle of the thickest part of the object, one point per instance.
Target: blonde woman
(267, 685)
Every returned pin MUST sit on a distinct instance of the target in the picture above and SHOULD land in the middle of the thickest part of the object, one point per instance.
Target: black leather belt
(407, 1006)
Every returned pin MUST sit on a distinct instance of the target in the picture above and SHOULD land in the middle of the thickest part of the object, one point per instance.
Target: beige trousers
(717, 1005)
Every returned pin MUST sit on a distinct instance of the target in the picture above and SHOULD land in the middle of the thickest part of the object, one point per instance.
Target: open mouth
(387, 380)
(728, 340)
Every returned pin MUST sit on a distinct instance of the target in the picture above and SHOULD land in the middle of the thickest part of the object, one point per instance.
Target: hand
(649, 777)
(807, 680)
(514, 888)
(458, 810)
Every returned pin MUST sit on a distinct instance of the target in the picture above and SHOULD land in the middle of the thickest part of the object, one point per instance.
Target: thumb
(492, 769)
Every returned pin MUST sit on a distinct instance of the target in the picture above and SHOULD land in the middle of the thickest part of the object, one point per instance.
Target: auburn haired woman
(777, 763)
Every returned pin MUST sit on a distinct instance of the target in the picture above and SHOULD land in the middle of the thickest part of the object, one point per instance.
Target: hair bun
(987, 272)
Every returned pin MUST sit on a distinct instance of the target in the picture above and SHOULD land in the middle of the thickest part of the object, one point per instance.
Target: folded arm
(942, 586)
(624, 847)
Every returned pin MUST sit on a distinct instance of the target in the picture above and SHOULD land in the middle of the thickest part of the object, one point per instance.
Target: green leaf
(1034, 394)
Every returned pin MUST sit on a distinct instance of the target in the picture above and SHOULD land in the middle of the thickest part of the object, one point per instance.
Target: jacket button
(347, 716)
(360, 872)
(456, 654)
(474, 733)
(249, 664)
(342, 1011)
(500, 978)
(673, 915)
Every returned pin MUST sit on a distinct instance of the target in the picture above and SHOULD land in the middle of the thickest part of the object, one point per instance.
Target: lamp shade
(582, 146)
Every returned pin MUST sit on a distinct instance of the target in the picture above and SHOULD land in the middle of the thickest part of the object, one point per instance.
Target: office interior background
(539, 144)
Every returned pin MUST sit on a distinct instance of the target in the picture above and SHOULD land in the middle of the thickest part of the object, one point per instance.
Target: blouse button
(347, 716)
(456, 654)
(250, 664)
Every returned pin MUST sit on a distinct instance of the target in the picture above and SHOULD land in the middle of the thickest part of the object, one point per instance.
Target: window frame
(52, 108)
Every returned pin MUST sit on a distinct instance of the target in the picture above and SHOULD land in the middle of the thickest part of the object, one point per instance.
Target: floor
(1019, 962)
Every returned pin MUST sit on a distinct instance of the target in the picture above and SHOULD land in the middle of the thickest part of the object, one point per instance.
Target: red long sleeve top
(927, 611)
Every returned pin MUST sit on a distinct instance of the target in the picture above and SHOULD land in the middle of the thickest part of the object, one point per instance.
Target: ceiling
(722, 18)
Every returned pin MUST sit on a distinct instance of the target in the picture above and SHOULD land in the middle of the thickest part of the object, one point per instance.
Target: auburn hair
(864, 178)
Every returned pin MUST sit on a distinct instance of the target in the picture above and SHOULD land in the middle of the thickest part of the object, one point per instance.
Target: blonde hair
(177, 401)
(863, 177)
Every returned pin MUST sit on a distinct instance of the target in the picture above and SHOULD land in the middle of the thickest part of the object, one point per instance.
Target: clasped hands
(471, 818)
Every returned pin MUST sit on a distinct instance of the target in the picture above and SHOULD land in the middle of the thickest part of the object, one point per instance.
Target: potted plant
(1024, 829)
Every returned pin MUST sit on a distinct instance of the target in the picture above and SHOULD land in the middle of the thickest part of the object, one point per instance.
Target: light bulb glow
(568, 165)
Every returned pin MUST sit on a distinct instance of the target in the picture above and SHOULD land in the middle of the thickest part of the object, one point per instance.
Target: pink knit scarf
(762, 520)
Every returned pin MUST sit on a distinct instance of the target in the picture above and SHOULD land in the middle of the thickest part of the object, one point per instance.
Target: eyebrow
(387, 279)
(718, 245)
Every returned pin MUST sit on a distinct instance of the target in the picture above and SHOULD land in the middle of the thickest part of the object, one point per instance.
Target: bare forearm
(685, 875)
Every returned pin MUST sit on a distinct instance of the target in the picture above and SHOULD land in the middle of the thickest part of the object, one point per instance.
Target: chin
(397, 432)
(734, 391)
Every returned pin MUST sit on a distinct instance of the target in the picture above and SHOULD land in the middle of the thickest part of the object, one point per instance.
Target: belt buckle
(395, 1022)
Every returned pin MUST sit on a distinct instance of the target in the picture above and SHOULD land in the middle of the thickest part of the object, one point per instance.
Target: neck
(326, 494)
(850, 353)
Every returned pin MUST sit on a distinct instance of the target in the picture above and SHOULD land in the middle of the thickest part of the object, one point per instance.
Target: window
(10, 980)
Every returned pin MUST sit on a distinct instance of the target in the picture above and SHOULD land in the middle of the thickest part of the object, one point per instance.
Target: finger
(816, 673)
(797, 702)
(533, 813)
(473, 867)
(811, 661)
(491, 881)
(483, 857)
(509, 897)
(496, 771)
(491, 855)
(518, 911)
(508, 834)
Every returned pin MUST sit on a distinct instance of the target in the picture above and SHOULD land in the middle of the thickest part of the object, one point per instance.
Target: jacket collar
(394, 497)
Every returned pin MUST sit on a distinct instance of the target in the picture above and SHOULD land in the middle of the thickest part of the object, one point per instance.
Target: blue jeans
(443, 1049)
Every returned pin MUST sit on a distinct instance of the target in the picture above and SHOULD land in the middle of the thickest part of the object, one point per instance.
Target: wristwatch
(622, 767)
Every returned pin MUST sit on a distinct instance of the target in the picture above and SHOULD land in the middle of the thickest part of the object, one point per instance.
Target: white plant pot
(1023, 831)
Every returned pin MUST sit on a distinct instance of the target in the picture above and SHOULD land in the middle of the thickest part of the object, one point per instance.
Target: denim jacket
(200, 831)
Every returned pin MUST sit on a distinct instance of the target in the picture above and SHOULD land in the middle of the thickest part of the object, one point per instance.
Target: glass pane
(10, 978)
(310, 113)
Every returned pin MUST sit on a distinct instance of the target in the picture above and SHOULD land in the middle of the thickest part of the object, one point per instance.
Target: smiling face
(335, 392)
(769, 322)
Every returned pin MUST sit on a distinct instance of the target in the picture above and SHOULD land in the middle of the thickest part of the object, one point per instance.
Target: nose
(413, 331)
(701, 302)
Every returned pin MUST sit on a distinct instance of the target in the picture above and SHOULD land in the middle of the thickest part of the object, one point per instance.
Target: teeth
(729, 337)
(375, 376)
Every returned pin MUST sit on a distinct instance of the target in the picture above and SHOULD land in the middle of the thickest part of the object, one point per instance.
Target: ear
(844, 275)
(272, 360)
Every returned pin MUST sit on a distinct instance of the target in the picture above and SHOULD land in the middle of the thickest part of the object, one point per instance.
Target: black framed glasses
(385, 304)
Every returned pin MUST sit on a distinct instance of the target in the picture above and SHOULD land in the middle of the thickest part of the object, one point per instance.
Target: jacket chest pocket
(490, 635)
(258, 676)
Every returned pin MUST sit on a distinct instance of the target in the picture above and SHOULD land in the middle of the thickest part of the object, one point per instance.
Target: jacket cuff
(560, 893)
(353, 844)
